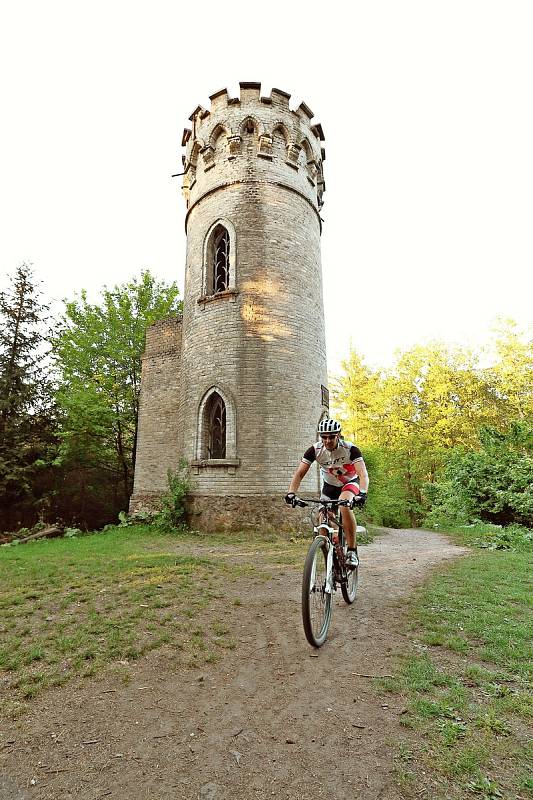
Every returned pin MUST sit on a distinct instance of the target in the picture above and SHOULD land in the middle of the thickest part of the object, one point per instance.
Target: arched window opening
(216, 427)
(216, 432)
(249, 131)
(221, 262)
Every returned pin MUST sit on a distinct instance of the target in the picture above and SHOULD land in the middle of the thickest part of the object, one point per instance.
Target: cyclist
(344, 477)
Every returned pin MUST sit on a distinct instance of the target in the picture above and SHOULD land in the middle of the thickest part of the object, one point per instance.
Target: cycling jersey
(337, 467)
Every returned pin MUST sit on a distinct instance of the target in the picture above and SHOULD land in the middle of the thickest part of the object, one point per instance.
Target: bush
(491, 537)
(172, 512)
(513, 537)
(492, 484)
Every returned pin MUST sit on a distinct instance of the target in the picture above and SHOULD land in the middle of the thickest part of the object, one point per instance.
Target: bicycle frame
(339, 574)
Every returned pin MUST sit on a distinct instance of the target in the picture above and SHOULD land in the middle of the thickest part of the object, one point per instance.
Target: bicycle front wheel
(316, 602)
(349, 589)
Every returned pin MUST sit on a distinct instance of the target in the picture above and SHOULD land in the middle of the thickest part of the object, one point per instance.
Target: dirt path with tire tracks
(273, 718)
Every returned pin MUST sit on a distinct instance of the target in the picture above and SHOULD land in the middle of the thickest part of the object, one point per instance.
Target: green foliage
(139, 518)
(512, 372)
(485, 788)
(512, 537)
(485, 535)
(97, 350)
(447, 435)
(492, 484)
(70, 532)
(26, 418)
(172, 512)
(388, 502)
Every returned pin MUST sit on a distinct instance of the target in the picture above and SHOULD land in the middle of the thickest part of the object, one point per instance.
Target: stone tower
(238, 385)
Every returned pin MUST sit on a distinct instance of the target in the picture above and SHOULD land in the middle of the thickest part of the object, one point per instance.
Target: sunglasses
(327, 438)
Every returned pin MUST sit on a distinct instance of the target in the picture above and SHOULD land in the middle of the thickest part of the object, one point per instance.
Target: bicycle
(324, 570)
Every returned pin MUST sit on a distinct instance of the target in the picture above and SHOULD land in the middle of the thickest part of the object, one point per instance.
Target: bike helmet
(329, 426)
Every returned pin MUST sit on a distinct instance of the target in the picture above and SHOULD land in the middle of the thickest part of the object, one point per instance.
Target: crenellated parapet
(253, 138)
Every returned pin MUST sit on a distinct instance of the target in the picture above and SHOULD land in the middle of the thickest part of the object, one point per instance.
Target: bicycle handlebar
(331, 503)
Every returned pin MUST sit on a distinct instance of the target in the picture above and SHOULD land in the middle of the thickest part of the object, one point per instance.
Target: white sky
(428, 119)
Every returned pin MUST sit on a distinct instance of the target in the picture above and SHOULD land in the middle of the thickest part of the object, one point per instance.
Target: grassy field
(71, 606)
(467, 680)
(68, 607)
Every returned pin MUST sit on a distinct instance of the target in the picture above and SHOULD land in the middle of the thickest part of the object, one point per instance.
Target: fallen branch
(46, 533)
(364, 675)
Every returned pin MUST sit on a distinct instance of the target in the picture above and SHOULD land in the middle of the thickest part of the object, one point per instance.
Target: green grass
(468, 685)
(72, 606)
(69, 607)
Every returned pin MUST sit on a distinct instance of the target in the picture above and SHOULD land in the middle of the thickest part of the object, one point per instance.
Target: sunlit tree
(98, 349)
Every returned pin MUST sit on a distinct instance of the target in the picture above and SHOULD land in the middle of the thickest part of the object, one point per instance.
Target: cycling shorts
(330, 492)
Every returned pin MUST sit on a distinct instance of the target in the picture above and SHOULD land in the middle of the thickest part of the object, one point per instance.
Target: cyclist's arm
(298, 476)
(360, 468)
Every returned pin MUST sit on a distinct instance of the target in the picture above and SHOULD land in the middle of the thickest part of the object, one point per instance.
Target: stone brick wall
(159, 434)
(246, 513)
(255, 166)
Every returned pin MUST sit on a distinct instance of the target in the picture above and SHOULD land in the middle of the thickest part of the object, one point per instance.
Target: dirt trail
(274, 718)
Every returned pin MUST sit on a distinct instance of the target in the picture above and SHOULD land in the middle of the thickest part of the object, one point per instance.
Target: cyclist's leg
(348, 518)
(330, 492)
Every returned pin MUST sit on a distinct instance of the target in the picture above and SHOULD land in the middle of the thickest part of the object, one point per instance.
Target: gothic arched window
(216, 426)
(216, 444)
(221, 262)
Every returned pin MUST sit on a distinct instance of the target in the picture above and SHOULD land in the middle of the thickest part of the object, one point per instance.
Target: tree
(26, 423)
(358, 395)
(511, 374)
(98, 349)
(433, 400)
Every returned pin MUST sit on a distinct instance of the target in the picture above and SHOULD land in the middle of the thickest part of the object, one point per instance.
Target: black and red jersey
(337, 467)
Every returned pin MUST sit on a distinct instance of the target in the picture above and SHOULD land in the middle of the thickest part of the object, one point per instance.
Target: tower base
(212, 514)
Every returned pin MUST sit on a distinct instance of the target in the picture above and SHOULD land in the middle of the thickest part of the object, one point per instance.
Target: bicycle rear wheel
(316, 602)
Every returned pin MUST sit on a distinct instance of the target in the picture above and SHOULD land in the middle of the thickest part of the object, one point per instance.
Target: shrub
(492, 484)
(172, 511)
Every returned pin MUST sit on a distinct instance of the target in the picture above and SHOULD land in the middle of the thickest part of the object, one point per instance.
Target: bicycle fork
(328, 588)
